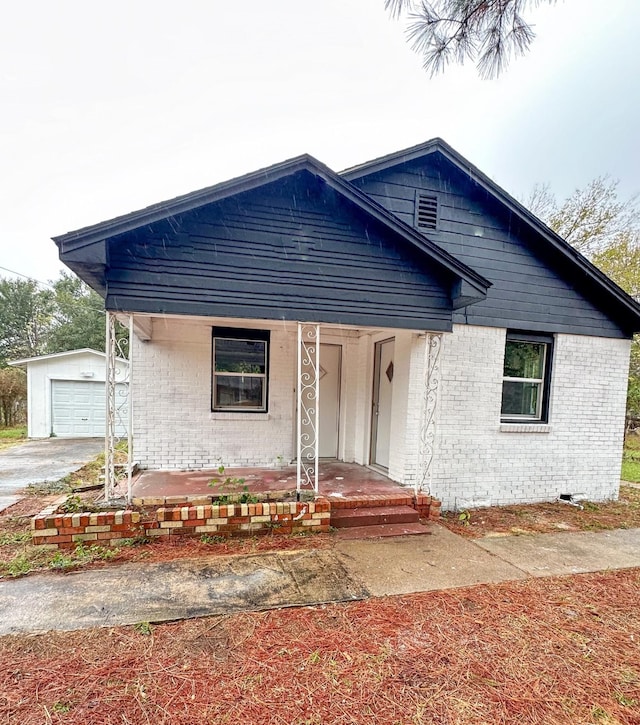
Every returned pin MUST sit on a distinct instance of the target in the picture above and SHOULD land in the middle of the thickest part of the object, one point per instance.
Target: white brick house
(463, 347)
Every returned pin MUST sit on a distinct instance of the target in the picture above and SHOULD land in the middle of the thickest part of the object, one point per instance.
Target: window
(240, 364)
(526, 377)
(426, 211)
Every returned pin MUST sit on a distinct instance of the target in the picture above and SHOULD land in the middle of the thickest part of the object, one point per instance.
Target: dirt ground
(548, 517)
(552, 651)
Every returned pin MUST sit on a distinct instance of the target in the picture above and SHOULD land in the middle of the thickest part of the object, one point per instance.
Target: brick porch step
(382, 530)
(370, 500)
(373, 516)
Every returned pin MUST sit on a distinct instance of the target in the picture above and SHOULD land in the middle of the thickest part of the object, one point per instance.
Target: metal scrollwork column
(431, 383)
(308, 405)
(118, 410)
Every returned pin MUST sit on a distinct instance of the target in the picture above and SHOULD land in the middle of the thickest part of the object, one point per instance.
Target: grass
(631, 458)
(12, 436)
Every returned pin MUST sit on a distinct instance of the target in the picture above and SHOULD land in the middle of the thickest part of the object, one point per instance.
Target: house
(66, 394)
(406, 314)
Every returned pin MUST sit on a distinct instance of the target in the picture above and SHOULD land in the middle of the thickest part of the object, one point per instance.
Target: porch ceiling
(143, 325)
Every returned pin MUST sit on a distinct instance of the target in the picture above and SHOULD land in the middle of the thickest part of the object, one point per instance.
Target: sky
(109, 107)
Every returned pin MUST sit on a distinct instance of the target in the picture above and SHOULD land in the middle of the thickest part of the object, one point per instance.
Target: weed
(82, 555)
(46, 488)
(16, 537)
(72, 505)
(590, 506)
(207, 539)
(134, 541)
(464, 517)
(19, 566)
(61, 707)
(232, 483)
(272, 525)
(62, 561)
(143, 628)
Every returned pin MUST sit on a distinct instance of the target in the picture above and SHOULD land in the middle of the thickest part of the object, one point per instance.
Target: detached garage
(66, 394)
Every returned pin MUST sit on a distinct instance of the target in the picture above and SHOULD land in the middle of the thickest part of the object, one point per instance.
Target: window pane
(524, 359)
(240, 356)
(520, 399)
(239, 392)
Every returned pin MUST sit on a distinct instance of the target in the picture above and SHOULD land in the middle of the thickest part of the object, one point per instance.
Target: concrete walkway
(40, 461)
(352, 570)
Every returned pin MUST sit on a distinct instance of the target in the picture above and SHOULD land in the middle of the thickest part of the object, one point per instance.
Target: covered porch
(346, 411)
(337, 481)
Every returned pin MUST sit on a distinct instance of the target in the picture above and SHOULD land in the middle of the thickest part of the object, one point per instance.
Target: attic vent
(426, 211)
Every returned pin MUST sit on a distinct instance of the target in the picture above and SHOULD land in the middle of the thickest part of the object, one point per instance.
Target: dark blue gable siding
(532, 289)
(292, 250)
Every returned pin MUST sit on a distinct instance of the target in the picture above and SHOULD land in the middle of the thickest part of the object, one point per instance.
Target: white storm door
(382, 400)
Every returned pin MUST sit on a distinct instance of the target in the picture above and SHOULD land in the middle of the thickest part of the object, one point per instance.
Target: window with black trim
(526, 378)
(240, 370)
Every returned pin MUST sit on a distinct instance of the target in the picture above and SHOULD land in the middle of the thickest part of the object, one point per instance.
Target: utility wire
(89, 308)
(26, 276)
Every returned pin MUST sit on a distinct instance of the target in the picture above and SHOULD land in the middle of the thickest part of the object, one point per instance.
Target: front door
(382, 399)
(329, 417)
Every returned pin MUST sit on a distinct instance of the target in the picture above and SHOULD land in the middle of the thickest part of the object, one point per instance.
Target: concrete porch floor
(336, 481)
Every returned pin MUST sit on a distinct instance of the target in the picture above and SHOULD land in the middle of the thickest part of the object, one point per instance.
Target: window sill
(219, 415)
(525, 428)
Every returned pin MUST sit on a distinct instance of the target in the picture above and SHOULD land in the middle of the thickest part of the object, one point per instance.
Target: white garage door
(78, 408)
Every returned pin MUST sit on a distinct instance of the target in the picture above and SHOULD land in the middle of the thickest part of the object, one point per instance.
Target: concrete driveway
(39, 461)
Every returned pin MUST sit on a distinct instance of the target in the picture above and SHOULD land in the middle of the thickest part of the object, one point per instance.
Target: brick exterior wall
(173, 425)
(478, 461)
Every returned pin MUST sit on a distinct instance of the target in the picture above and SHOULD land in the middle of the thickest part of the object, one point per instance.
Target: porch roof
(291, 241)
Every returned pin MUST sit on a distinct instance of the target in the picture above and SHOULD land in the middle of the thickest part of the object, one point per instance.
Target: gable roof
(474, 284)
(615, 294)
(68, 353)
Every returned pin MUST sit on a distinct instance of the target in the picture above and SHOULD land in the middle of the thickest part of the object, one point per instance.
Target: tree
(593, 219)
(13, 396)
(78, 316)
(25, 319)
(487, 31)
(607, 230)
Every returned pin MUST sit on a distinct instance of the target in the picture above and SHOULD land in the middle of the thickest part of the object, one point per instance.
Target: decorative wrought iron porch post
(115, 419)
(431, 383)
(110, 389)
(308, 388)
(130, 413)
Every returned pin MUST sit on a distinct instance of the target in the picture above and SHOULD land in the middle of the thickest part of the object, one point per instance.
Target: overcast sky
(109, 107)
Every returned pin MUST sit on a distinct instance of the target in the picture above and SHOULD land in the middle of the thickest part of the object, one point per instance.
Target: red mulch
(553, 651)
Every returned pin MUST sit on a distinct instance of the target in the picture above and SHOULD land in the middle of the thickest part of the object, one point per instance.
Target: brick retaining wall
(56, 530)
